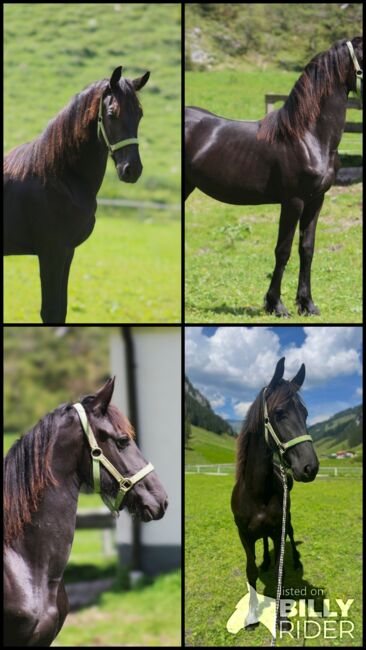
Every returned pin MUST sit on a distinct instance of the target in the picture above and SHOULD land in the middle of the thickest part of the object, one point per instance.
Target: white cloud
(327, 352)
(217, 402)
(242, 408)
(359, 392)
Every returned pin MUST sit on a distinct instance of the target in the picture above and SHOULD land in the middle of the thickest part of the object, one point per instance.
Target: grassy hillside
(206, 447)
(252, 34)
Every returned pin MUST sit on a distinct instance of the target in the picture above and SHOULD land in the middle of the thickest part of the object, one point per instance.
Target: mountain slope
(199, 411)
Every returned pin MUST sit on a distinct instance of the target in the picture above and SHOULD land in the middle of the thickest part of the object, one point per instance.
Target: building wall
(158, 379)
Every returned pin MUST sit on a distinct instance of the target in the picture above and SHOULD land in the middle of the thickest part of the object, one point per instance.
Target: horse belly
(238, 194)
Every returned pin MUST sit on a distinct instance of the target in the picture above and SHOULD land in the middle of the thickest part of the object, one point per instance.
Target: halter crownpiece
(268, 429)
(98, 458)
(358, 70)
(101, 130)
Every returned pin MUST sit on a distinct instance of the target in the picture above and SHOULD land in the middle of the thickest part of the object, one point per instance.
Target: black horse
(258, 493)
(51, 183)
(43, 473)
(289, 157)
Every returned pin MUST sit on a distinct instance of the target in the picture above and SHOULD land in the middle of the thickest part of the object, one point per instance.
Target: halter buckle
(125, 484)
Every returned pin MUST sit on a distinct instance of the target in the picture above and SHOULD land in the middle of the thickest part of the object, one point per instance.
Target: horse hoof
(278, 308)
(307, 309)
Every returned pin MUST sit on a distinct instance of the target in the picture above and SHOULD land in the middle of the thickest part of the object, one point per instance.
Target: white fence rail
(224, 469)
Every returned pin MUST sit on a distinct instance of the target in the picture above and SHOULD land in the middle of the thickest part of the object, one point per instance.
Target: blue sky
(231, 364)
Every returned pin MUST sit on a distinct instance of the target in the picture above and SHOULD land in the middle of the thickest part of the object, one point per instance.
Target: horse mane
(27, 472)
(253, 423)
(303, 105)
(58, 145)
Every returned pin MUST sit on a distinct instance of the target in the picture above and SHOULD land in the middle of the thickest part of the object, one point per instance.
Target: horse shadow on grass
(295, 586)
(235, 311)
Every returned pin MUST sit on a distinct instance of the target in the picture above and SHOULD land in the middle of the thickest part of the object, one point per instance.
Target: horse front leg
(65, 280)
(295, 553)
(51, 267)
(308, 222)
(251, 620)
(266, 557)
(290, 215)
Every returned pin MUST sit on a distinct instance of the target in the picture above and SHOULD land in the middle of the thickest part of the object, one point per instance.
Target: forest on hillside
(47, 366)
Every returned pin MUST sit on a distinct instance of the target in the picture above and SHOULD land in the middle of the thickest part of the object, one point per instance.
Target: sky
(230, 365)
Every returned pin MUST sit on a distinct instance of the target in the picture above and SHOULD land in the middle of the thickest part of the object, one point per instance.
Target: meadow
(129, 269)
(215, 576)
(229, 250)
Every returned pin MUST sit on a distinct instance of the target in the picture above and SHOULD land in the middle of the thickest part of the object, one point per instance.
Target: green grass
(205, 447)
(230, 249)
(215, 577)
(127, 271)
(149, 615)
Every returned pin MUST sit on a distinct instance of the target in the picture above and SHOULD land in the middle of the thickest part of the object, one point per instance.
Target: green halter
(98, 458)
(358, 71)
(101, 130)
(268, 429)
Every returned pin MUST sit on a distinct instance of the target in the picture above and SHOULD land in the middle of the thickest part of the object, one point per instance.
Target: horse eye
(122, 443)
(280, 414)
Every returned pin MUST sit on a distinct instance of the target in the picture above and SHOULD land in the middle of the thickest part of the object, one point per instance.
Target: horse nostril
(126, 171)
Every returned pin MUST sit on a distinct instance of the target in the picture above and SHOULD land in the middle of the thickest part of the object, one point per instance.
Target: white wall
(158, 379)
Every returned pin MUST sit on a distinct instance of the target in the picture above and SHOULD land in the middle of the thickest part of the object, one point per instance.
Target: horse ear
(103, 397)
(298, 380)
(278, 374)
(140, 81)
(116, 75)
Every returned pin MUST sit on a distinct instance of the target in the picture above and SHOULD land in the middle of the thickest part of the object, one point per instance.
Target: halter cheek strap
(269, 430)
(101, 131)
(356, 65)
(98, 458)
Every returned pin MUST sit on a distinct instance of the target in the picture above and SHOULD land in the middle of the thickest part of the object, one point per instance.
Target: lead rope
(282, 550)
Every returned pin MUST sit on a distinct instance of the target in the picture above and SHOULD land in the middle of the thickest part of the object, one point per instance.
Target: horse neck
(90, 161)
(329, 125)
(259, 464)
(52, 527)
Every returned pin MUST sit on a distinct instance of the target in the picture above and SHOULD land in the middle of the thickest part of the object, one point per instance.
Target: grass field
(215, 577)
(230, 249)
(127, 271)
(149, 615)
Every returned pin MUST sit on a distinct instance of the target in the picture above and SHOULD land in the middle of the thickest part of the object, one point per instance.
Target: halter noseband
(268, 429)
(101, 130)
(356, 65)
(98, 458)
